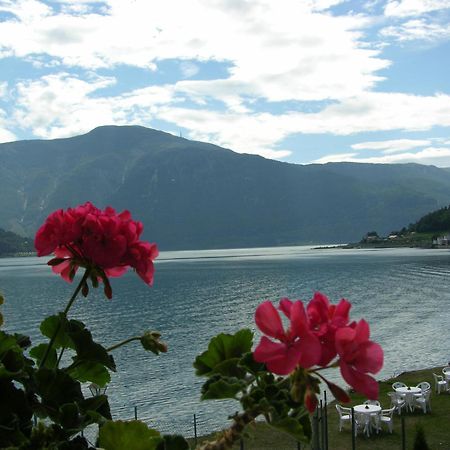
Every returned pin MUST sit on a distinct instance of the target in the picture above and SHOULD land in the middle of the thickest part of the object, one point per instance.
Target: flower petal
(268, 320)
(361, 382)
(370, 358)
(278, 357)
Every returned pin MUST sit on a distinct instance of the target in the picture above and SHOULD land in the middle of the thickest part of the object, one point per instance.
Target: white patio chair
(397, 401)
(398, 384)
(362, 423)
(424, 386)
(439, 383)
(446, 373)
(386, 417)
(423, 401)
(345, 415)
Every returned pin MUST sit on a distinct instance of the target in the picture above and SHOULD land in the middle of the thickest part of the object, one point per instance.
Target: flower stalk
(66, 310)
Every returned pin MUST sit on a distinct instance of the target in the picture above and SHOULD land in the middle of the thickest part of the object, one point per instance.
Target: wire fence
(197, 426)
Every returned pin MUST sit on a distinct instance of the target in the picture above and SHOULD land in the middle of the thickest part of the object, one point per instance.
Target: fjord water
(403, 293)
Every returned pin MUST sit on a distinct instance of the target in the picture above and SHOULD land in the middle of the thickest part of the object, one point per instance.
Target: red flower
(105, 242)
(324, 319)
(359, 356)
(297, 346)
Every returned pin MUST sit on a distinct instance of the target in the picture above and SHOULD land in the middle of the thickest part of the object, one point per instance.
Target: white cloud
(392, 146)
(63, 105)
(418, 29)
(261, 132)
(279, 50)
(439, 156)
(188, 69)
(5, 134)
(3, 88)
(336, 157)
(403, 8)
(377, 111)
(243, 133)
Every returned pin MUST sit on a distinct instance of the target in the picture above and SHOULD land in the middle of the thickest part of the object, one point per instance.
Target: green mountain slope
(197, 195)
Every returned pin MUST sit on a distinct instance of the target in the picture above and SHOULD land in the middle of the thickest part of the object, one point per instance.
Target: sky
(302, 81)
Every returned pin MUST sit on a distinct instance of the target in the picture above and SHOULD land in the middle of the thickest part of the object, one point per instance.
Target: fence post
(242, 444)
(135, 413)
(353, 430)
(326, 419)
(299, 447)
(403, 434)
(322, 428)
(195, 430)
(315, 430)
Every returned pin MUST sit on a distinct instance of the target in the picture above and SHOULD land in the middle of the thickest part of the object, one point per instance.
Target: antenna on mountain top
(181, 134)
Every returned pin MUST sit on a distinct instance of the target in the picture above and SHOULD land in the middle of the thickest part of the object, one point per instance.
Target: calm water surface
(403, 293)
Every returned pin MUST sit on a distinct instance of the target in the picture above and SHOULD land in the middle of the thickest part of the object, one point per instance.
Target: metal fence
(197, 428)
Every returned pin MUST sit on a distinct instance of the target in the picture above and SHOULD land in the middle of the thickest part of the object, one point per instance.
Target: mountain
(197, 195)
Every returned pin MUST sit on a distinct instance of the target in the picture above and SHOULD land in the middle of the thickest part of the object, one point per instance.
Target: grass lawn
(435, 424)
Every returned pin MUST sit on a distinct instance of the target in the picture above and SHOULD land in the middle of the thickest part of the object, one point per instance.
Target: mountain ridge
(192, 194)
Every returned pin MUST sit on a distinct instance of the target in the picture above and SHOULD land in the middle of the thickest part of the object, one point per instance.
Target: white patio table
(409, 392)
(371, 412)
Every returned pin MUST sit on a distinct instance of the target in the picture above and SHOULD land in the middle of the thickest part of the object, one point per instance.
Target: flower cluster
(316, 335)
(104, 242)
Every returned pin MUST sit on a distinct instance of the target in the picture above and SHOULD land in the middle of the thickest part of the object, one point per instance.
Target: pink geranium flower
(359, 356)
(295, 346)
(324, 319)
(104, 242)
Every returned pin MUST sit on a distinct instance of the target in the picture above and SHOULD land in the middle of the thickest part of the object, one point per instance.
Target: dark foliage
(435, 221)
(420, 442)
(11, 243)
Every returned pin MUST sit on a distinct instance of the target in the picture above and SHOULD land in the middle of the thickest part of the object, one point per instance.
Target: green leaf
(38, 353)
(69, 416)
(219, 387)
(86, 348)
(223, 354)
(56, 388)
(89, 371)
(12, 360)
(49, 327)
(97, 407)
(299, 429)
(173, 442)
(1, 303)
(248, 363)
(121, 435)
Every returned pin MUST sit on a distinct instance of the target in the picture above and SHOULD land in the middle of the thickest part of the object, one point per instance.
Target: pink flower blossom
(296, 346)
(359, 356)
(105, 242)
(324, 319)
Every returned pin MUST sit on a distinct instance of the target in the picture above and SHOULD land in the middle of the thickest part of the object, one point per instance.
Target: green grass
(435, 424)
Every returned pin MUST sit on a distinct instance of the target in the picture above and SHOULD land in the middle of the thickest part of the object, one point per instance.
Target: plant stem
(60, 356)
(233, 433)
(126, 341)
(66, 310)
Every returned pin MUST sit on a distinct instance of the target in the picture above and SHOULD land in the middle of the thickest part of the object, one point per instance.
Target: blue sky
(304, 81)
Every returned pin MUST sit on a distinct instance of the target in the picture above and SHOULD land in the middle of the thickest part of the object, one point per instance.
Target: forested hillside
(11, 243)
(433, 222)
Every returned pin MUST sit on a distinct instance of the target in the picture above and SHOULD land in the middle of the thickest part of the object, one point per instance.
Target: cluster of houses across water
(407, 239)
